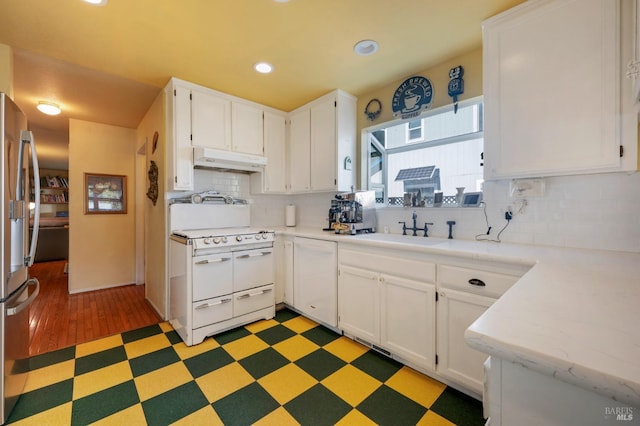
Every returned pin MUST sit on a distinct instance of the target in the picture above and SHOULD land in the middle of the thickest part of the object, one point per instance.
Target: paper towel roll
(290, 215)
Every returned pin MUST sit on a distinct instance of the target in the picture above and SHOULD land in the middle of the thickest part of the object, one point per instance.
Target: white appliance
(221, 271)
(17, 256)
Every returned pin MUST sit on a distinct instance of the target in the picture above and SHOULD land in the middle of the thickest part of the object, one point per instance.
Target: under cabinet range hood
(226, 160)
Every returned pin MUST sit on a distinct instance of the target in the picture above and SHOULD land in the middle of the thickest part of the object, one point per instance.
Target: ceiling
(108, 63)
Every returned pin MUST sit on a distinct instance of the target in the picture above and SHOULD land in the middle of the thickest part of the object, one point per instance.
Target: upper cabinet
(210, 119)
(555, 94)
(247, 128)
(322, 144)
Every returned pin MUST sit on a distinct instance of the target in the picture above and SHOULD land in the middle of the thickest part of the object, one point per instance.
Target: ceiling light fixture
(97, 2)
(49, 108)
(366, 47)
(263, 67)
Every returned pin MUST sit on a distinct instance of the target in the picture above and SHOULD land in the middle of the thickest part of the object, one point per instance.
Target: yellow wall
(6, 70)
(439, 77)
(154, 217)
(101, 246)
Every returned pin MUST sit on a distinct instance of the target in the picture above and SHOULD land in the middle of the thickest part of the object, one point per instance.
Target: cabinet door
(180, 121)
(288, 272)
(323, 146)
(246, 129)
(359, 307)
(299, 148)
(210, 121)
(409, 319)
(275, 177)
(315, 279)
(456, 360)
(552, 96)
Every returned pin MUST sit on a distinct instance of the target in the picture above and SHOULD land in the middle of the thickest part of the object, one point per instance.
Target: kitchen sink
(405, 239)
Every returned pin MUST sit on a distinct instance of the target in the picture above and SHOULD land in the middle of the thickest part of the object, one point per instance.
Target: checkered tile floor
(288, 370)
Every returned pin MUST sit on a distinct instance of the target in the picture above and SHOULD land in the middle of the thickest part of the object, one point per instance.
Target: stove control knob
(216, 240)
(224, 240)
(265, 236)
(239, 238)
(207, 241)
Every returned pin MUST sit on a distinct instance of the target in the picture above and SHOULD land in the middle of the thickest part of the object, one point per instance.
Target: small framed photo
(105, 194)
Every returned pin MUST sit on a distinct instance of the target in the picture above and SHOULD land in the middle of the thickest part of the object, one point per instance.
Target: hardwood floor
(58, 319)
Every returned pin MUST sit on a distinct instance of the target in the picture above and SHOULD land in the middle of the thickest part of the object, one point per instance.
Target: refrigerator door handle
(27, 138)
(17, 309)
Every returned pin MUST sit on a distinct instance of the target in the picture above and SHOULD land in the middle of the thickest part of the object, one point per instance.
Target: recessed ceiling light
(97, 2)
(263, 67)
(366, 47)
(49, 108)
(281, 1)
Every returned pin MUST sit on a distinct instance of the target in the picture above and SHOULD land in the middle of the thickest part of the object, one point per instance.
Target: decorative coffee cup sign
(412, 97)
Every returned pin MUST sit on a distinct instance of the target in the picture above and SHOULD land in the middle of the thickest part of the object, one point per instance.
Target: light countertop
(575, 315)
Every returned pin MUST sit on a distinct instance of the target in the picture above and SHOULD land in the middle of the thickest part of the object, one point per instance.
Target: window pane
(453, 165)
(448, 124)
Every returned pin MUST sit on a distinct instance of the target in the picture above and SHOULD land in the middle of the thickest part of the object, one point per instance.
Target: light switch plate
(523, 188)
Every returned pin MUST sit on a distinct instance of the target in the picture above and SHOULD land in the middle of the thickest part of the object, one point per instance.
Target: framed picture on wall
(105, 194)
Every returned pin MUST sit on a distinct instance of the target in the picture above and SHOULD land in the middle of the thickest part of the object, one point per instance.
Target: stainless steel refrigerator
(17, 289)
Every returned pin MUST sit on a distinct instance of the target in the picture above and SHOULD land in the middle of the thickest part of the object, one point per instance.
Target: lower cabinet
(465, 291)
(456, 360)
(393, 313)
(315, 279)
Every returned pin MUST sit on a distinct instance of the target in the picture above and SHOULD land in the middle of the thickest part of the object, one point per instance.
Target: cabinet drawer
(253, 268)
(252, 300)
(413, 269)
(210, 311)
(490, 284)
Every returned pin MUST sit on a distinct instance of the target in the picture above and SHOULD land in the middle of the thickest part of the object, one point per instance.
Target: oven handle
(257, 293)
(209, 305)
(221, 259)
(246, 256)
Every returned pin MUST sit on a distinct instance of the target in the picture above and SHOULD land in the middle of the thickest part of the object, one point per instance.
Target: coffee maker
(353, 212)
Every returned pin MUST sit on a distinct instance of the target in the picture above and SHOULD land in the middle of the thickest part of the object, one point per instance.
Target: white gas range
(221, 271)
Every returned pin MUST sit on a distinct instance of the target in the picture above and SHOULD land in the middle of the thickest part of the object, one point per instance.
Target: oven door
(253, 268)
(212, 276)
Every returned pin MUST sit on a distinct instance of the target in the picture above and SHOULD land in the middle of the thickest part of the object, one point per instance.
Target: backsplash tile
(600, 211)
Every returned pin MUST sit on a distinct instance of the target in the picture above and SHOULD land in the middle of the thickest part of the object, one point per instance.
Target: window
(438, 152)
(414, 131)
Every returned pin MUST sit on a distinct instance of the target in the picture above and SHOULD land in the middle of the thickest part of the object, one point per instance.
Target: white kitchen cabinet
(359, 307)
(464, 294)
(556, 101)
(323, 144)
(299, 151)
(315, 279)
(178, 133)
(456, 360)
(287, 275)
(247, 128)
(210, 120)
(408, 319)
(275, 148)
(389, 302)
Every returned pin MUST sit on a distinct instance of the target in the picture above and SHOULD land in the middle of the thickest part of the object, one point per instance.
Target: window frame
(365, 143)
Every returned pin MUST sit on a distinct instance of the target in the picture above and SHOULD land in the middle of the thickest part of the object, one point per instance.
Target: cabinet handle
(204, 262)
(246, 256)
(257, 293)
(209, 305)
(477, 282)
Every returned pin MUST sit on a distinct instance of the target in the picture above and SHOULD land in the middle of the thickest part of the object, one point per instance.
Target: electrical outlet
(524, 188)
